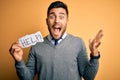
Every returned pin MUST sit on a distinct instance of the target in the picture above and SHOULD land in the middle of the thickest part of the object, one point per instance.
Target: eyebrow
(59, 13)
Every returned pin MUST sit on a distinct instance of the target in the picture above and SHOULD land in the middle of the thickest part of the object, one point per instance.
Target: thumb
(90, 41)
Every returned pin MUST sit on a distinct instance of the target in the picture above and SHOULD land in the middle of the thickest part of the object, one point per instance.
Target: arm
(89, 68)
(25, 72)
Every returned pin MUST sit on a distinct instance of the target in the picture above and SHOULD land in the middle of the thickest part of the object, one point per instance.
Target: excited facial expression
(57, 22)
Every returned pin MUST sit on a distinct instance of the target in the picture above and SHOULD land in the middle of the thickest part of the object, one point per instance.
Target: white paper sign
(31, 39)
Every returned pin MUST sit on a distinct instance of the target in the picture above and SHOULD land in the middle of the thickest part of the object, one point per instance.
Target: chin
(56, 37)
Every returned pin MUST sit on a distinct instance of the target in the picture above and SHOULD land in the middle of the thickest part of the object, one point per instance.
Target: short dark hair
(57, 4)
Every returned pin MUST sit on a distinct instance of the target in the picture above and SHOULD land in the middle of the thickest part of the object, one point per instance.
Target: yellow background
(86, 17)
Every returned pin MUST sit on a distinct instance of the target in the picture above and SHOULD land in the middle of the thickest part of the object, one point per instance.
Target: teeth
(56, 26)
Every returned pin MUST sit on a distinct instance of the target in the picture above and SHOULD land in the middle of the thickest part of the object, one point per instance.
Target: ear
(47, 21)
(67, 19)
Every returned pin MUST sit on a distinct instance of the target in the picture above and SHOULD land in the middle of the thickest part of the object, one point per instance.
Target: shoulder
(75, 38)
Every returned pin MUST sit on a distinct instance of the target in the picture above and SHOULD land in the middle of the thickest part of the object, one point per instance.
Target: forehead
(57, 11)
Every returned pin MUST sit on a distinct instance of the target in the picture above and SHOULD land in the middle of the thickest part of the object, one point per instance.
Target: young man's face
(57, 22)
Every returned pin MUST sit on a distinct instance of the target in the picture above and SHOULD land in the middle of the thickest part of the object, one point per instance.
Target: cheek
(51, 22)
(64, 23)
(49, 25)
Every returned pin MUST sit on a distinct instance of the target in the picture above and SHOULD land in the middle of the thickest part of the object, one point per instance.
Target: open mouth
(56, 30)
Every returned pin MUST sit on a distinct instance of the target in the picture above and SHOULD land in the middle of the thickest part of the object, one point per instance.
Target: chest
(57, 55)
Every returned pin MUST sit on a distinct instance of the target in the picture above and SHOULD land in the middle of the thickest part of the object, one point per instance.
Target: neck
(62, 36)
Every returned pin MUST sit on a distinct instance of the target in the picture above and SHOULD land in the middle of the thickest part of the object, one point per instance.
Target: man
(61, 56)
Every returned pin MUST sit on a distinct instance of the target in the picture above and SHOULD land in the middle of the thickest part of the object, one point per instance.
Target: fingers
(95, 43)
(14, 47)
(99, 36)
(90, 42)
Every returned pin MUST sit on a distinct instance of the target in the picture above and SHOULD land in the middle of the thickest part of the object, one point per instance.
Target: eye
(52, 17)
(61, 17)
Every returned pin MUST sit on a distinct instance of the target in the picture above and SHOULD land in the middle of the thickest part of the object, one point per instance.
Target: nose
(56, 19)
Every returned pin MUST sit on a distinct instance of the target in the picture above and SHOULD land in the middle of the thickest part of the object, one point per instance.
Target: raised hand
(16, 51)
(95, 43)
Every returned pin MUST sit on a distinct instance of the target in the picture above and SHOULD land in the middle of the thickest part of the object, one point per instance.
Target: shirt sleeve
(87, 68)
(26, 71)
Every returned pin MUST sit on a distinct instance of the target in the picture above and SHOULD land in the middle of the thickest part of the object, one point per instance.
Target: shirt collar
(51, 39)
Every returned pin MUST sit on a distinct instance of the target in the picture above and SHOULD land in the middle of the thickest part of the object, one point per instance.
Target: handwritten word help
(31, 39)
